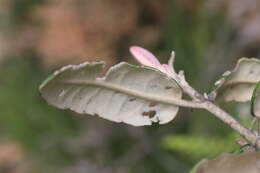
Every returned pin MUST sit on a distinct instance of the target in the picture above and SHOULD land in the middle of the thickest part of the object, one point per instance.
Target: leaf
(229, 163)
(255, 101)
(238, 85)
(144, 57)
(130, 94)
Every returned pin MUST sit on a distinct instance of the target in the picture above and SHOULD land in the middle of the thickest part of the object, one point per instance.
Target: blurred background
(39, 36)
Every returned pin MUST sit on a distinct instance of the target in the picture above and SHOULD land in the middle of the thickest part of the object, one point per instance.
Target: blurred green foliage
(26, 118)
(189, 33)
(195, 148)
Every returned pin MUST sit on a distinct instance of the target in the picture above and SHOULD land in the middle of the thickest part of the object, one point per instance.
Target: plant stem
(233, 123)
(214, 109)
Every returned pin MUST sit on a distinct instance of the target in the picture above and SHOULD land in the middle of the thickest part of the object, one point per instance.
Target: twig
(213, 108)
(233, 123)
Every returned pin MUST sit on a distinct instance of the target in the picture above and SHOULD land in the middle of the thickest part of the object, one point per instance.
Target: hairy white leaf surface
(130, 94)
(229, 163)
(238, 85)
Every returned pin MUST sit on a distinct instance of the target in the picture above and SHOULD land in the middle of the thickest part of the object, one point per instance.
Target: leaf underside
(228, 163)
(130, 94)
(240, 83)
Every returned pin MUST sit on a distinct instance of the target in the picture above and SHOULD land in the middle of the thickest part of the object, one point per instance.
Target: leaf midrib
(124, 90)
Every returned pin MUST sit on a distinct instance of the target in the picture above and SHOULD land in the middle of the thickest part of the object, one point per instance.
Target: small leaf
(238, 85)
(144, 57)
(130, 94)
(255, 101)
(229, 163)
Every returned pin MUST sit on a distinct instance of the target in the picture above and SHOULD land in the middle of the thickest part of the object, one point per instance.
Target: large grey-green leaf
(228, 163)
(238, 85)
(127, 93)
(255, 101)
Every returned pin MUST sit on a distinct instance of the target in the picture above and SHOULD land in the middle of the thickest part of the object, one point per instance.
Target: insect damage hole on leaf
(168, 87)
(150, 113)
(152, 104)
(132, 99)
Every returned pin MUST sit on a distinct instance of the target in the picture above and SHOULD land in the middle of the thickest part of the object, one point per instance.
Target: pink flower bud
(144, 57)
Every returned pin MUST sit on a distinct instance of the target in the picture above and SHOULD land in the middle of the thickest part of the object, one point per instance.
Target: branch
(233, 123)
(211, 107)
